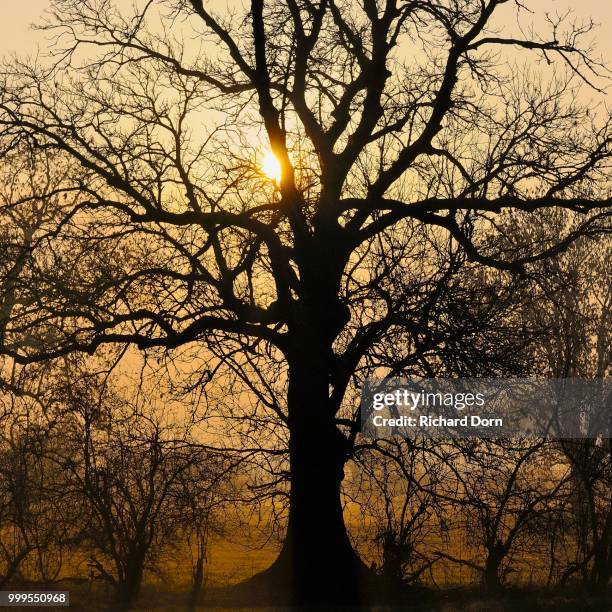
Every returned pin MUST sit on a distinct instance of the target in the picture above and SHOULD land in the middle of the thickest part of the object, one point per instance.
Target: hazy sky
(15, 33)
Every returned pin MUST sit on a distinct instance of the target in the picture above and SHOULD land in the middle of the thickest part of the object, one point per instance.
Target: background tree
(129, 468)
(34, 530)
(202, 496)
(576, 316)
(398, 490)
(509, 490)
(383, 117)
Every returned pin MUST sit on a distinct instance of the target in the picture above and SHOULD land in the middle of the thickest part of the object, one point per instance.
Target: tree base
(350, 588)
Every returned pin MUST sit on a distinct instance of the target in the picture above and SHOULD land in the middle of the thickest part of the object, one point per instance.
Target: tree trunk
(13, 565)
(198, 580)
(601, 571)
(491, 580)
(317, 564)
(129, 588)
(317, 549)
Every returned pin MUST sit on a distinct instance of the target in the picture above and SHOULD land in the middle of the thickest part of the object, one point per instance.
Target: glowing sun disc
(271, 167)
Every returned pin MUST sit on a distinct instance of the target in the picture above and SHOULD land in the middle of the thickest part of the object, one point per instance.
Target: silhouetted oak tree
(400, 127)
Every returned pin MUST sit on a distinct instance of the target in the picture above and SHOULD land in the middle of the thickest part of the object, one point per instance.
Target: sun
(271, 167)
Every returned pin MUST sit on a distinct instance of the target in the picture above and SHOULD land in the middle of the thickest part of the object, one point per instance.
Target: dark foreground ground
(455, 600)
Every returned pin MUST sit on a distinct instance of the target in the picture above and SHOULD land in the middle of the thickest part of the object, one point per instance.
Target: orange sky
(15, 34)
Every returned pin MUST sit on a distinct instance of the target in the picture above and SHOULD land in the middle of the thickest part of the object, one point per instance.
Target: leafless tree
(578, 290)
(203, 495)
(33, 536)
(126, 467)
(399, 494)
(386, 119)
(509, 489)
(34, 530)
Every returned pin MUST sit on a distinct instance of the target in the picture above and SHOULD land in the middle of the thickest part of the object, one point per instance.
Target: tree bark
(491, 579)
(129, 588)
(601, 570)
(317, 564)
(198, 581)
